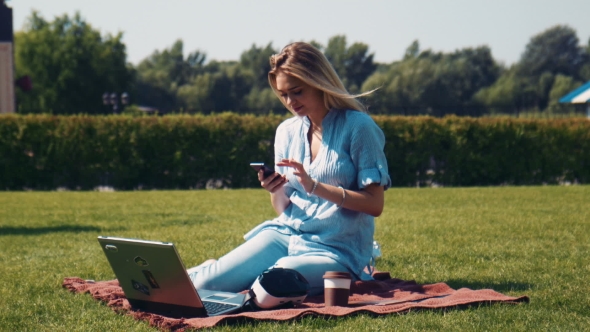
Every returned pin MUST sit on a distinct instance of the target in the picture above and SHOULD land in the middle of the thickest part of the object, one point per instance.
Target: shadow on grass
(497, 286)
(4, 230)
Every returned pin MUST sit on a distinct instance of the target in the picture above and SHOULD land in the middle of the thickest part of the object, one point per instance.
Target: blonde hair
(307, 63)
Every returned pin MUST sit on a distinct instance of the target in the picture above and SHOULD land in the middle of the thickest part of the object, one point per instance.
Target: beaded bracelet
(315, 185)
(343, 197)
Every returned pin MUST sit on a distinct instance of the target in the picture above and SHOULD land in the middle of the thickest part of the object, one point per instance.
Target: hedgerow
(46, 152)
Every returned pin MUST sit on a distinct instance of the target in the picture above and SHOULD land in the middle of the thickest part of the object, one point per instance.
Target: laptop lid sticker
(150, 278)
(140, 287)
(140, 261)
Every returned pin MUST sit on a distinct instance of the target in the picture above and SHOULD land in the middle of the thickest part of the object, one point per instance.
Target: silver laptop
(154, 279)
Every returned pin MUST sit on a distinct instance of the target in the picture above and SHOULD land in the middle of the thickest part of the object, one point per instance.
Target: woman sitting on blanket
(329, 183)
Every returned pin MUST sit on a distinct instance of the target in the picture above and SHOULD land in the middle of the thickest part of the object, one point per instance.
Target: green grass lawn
(531, 241)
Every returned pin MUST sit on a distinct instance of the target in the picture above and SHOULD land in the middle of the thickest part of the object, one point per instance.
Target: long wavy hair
(311, 66)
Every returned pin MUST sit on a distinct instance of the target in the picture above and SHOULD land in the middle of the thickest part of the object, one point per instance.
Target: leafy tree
(353, 64)
(222, 87)
(71, 65)
(585, 70)
(163, 73)
(196, 60)
(359, 65)
(317, 45)
(195, 95)
(556, 51)
(543, 87)
(335, 51)
(553, 61)
(262, 101)
(412, 51)
(511, 92)
(256, 60)
(562, 86)
(169, 81)
(433, 83)
(466, 71)
(167, 69)
(409, 87)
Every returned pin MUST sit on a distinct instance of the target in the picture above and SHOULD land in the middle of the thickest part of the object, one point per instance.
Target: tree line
(71, 65)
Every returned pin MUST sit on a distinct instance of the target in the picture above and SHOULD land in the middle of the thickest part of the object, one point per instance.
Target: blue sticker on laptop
(140, 287)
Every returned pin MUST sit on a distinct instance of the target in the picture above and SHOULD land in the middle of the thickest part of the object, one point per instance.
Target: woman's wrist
(312, 187)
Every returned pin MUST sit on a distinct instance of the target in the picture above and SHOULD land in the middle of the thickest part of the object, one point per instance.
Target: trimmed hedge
(455, 151)
(45, 152)
(83, 152)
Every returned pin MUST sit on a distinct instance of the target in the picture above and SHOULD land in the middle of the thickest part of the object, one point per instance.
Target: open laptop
(154, 279)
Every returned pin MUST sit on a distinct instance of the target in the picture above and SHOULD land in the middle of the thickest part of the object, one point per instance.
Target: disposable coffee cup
(336, 288)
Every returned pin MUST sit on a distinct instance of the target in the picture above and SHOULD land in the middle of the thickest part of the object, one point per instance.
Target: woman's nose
(289, 100)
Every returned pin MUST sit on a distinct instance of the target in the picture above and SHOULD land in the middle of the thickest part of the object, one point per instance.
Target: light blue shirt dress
(351, 156)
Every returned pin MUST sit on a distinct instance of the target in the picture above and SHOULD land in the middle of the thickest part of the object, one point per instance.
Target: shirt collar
(326, 121)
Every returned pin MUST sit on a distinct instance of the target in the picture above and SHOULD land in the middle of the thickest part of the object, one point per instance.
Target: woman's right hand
(272, 182)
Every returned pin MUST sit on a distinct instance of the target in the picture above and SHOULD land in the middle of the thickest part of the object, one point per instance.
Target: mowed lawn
(531, 241)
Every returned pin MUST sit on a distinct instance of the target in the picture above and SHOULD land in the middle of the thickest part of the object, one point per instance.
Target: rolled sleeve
(367, 153)
(378, 175)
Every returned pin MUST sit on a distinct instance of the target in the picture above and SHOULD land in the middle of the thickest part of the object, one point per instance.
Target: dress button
(380, 166)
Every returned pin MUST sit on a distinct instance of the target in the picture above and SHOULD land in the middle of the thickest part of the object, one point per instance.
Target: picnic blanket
(384, 295)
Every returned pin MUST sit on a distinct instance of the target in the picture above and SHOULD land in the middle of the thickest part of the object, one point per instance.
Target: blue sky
(224, 29)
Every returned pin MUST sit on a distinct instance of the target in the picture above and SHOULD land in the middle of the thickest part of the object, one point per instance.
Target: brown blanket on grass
(381, 296)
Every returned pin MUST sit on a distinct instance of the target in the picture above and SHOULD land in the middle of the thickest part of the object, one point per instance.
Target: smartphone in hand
(267, 171)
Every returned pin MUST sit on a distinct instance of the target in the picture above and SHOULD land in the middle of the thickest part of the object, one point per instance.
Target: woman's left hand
(299, 172)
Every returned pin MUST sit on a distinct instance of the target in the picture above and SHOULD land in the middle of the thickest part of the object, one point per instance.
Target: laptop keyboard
(216, 307)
